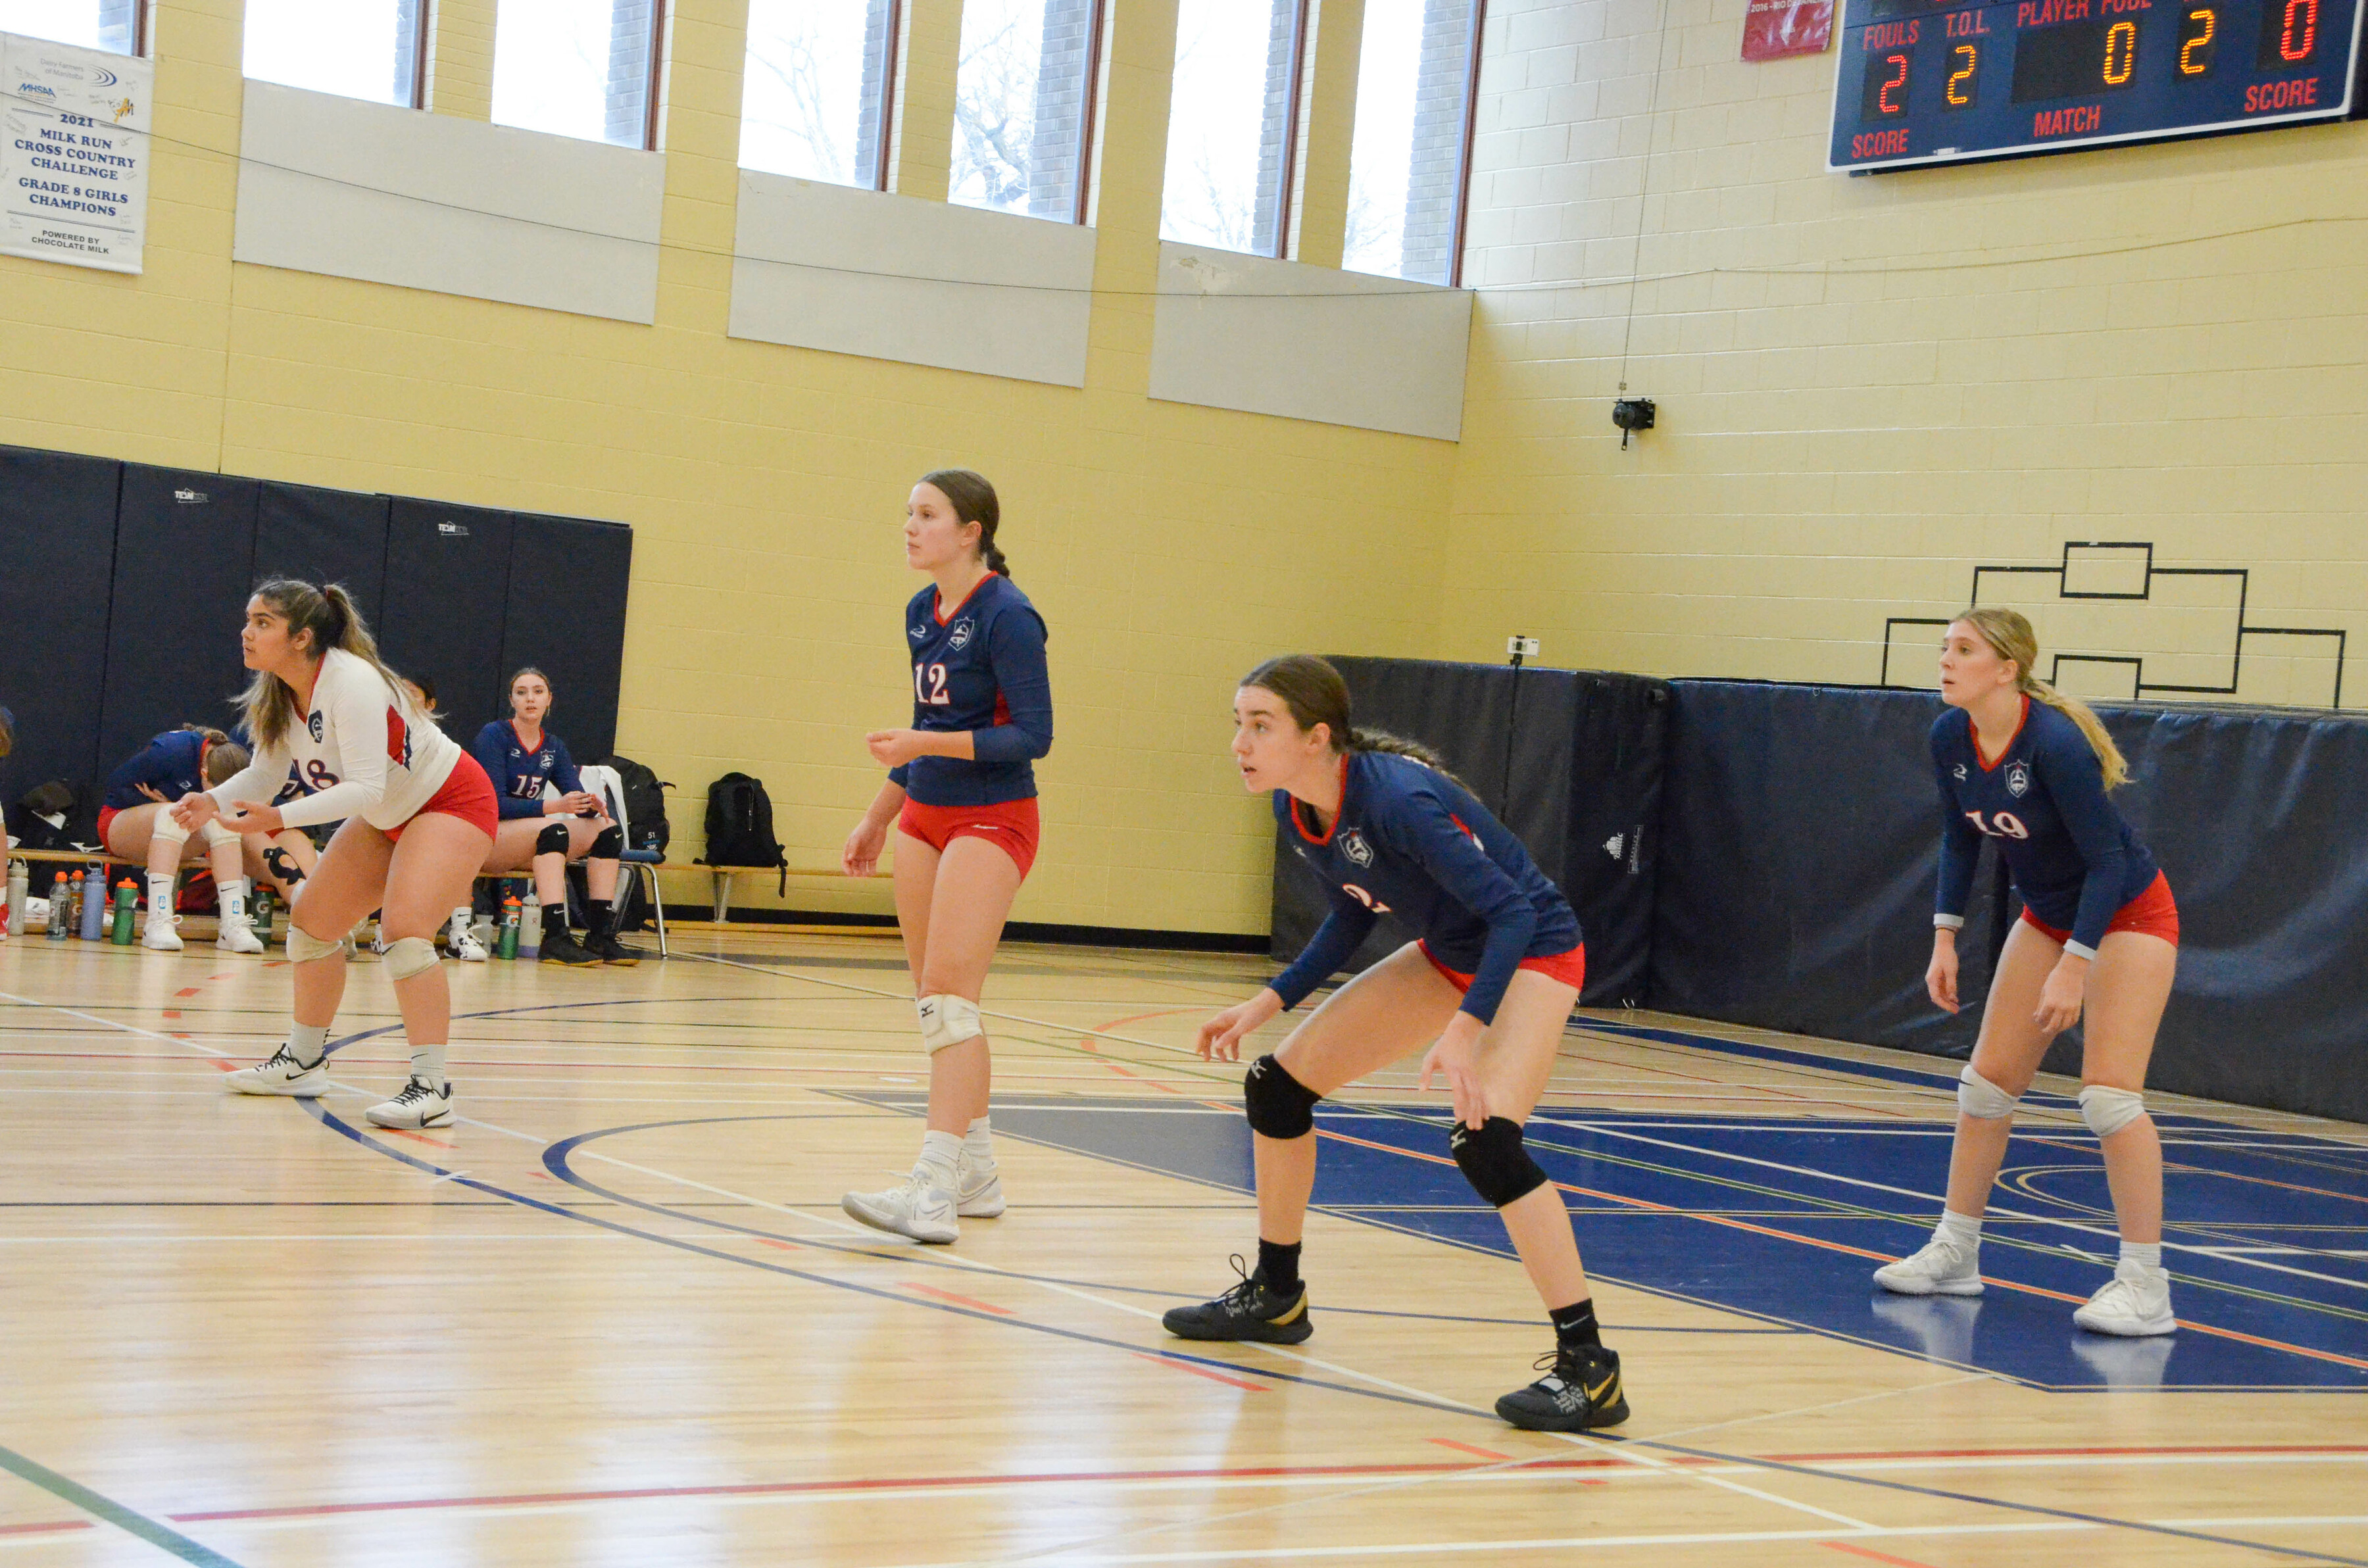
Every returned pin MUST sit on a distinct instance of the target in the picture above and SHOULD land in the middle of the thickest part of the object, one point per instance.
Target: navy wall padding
(1569, 760)
(324, 536)
(184, 559)
(567, 618)
(448, 571)
(57, 563)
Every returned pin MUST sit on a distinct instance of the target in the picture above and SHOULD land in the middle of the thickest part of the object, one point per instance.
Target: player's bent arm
(1341, 935)
(1455, 861)
(1016, 652)
(2075, 781)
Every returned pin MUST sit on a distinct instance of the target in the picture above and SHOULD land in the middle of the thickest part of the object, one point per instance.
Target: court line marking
(98, 1505)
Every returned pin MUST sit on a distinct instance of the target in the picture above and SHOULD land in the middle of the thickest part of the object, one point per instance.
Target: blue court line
(100, 1507)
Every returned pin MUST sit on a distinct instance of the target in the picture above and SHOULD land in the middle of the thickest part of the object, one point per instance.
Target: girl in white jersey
(418, 816)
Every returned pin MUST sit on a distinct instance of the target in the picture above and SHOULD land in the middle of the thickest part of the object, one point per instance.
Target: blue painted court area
(1785, 1219)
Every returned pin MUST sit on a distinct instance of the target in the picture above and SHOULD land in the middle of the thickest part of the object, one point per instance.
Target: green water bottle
(127, 898)
(263, 916)
(507, 946)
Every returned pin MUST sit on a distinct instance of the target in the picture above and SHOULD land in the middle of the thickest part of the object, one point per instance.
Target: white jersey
(364, 750)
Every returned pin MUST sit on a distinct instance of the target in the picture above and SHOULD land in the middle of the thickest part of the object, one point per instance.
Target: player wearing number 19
(1488, 988)
(961, 793)
(2021, 763)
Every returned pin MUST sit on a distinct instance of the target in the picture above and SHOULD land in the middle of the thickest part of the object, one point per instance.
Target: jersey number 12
(929, 685)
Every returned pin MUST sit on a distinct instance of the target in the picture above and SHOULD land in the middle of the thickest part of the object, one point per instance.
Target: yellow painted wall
(1868, 386)
(1169, 547)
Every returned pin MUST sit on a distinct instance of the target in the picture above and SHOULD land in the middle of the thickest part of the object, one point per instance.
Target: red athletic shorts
(1011, 826)
(2152, 912)
(106, 815)
(1570, 968)
(467, 794)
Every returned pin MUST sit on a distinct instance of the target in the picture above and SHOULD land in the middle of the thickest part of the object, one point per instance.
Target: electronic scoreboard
(1925, 82)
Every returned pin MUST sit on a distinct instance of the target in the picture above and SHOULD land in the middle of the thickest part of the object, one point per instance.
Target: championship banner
(1773, 30)
(73, 169)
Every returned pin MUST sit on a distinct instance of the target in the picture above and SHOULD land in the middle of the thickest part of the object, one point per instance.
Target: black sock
(1575, 1326)
(1279, 1263)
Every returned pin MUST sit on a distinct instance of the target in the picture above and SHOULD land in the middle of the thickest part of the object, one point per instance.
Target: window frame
(1287, 174)
(1456, 225)
(883, 161)
(422, 67)
(1089, 119)
(651, 103)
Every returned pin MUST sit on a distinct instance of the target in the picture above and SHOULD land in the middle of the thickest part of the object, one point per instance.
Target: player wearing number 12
(2029, 767)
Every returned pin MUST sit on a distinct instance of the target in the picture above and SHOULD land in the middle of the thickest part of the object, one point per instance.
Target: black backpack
(740, 826)
(645, 805)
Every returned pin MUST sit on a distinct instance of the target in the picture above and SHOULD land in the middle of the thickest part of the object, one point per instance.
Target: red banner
(1773, 30)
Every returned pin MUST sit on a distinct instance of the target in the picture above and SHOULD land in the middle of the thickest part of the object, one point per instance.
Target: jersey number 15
(929, 685)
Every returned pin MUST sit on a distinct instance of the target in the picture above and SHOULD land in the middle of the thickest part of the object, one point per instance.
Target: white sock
(1962, 1231)
(978, 1144)
(233, 895)
(940, 1153)
(160, 896)
(427, 1064)
(307, 1044)
(2140, 1260)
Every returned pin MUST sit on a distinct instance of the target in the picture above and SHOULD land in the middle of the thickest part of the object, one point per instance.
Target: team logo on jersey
(1353, 845)
(919, 632)
(312, 725)
(1958, 773)
(398, 739)
(2018, 780)
(959, 638)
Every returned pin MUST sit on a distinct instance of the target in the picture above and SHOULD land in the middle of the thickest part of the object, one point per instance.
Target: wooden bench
(721, 878)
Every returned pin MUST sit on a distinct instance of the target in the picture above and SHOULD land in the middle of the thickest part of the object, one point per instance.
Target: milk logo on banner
(74, 159)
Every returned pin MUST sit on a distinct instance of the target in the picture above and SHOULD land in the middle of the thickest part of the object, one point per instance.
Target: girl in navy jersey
(520, 756)
(2028, 768)
(961, 793)
(1488, 987)
(135, 821)
(417, 816)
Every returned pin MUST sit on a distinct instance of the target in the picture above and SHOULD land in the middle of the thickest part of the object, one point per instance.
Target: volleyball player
(521, 756)
(418, 817)
(136, 824)
(2029, 768)
(961, 790)
(1488, 987)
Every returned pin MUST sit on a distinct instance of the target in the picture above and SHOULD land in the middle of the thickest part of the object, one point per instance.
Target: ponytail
(328, 614)
(2010, 637)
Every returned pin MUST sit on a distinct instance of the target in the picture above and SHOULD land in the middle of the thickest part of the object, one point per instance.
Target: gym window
(821, 80)
(355, 49)
(1233, 127)
(1024, 106)
(120, 27)
(581, 68)
(1410, 163)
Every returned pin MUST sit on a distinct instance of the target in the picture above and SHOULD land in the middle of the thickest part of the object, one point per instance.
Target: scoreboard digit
(1944, 81)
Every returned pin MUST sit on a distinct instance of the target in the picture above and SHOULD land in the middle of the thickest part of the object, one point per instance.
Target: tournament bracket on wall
(74, 167)
(1934, 81)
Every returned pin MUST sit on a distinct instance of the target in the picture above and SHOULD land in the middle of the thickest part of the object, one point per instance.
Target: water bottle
(127, 898)
(507, 946)
(92, 910)
(263, 916)
(60, 907)
(529, 944)
(20, 890)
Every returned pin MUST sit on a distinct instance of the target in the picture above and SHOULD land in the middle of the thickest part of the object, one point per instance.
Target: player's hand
(1455, 1055)
(861, 855)
(244, 816)
(153, 793)
(577, 803)
(193, 811)
(894, 748)
(2060, 998)
(1222, 1036)
(1941, 975)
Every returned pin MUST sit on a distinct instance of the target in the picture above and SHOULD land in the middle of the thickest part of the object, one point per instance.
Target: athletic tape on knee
(2107, 1109)
(216, 835)
(304, 947)
(408, 955)
(1980, 1098)
(552, 840)
(946, 1019)
(609, 845)
(1280, 1105)
(1494, 1161)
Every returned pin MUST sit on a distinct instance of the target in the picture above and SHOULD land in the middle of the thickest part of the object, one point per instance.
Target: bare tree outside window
(1022, 102)
(111, 24)
(817, 88)
(1231, 125)
(1406, 160)
(357, 49)
(576, 68)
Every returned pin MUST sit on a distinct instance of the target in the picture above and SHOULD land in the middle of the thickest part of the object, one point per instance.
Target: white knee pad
(407, 956)
(1980, 1098)
(948, 1019)
(2107, 1110)
(304, 947)
(172, 831)
(216, 835)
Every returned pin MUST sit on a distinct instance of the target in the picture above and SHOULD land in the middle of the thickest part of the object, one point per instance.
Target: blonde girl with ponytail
(2032, 770)
(340, 736)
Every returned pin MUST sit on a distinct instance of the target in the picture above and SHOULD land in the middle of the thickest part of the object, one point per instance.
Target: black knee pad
(283, 865)
(609, 845)
(1280, 1105)
(552, 840)
(1493, 1160)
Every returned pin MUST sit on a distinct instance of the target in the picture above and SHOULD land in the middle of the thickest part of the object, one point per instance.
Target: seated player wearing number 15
(1492, 982)
(2030, 768)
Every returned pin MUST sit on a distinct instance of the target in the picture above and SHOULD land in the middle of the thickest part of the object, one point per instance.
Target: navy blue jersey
(978, 666)
(1412, 842)
(2071, 854)
(518, 774)
(172, 765)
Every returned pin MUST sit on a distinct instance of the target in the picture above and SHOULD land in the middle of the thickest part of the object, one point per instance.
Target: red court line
(187, 991)
(935, 1294)
(773, 1242)
(59, 1527)
(1875, 1556)
(2132, 1451)
(1491, 1455)
(416, 1138)
(1174, 1364)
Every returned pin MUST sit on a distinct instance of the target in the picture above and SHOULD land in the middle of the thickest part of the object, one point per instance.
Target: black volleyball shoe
(1249, 1310)
(1579, 1393)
